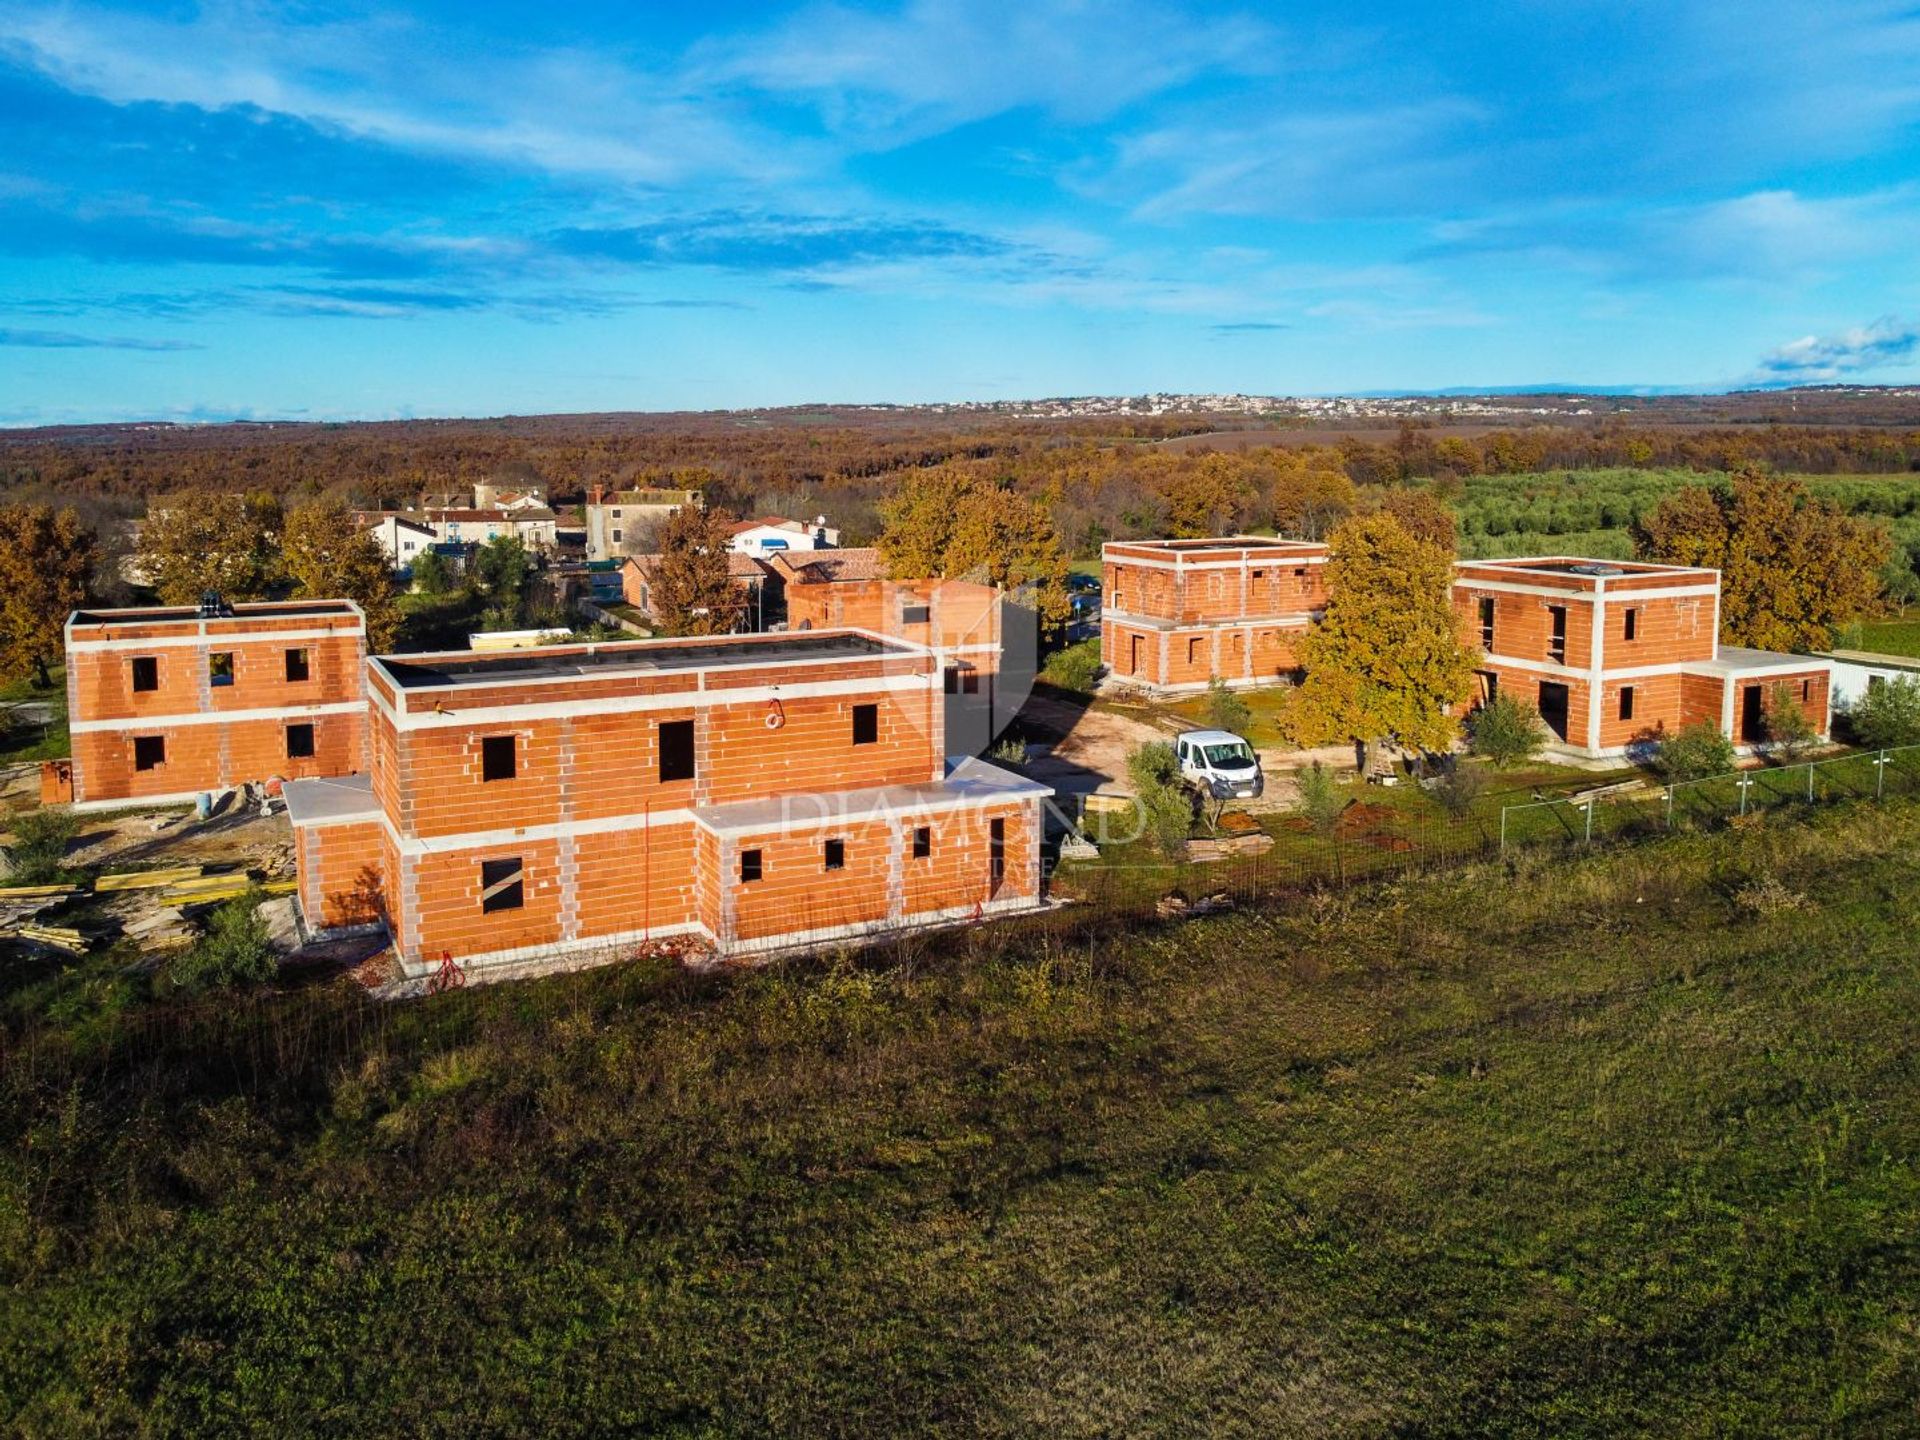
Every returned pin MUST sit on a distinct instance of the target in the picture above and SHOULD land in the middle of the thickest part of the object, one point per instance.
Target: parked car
(1220, 763)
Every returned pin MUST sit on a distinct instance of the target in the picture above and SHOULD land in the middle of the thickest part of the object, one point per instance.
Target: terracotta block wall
(630, 880)
(211, 756)
(343, 875)
(795, 891)
(1657, 709)
(957, 871)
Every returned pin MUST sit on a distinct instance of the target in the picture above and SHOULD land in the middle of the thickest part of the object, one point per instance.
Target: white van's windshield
(1238, 756)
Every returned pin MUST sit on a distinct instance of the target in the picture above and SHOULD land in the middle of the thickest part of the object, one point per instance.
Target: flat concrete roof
(1873, 659)
(337, 798)
(1738, 660)
(565, 662)
(968, 781)
(174, 614)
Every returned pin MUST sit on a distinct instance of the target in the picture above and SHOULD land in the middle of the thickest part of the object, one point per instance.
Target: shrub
(40, 840)
(1009, 749)
(1166, 806)
(1790, 734)
(1321, 799)
(1888, 715)
(1074, 667)
(432, 575)
(1506, 731)
(1226, 710)
(1694, 752)
(233, 952)
(1458, 788)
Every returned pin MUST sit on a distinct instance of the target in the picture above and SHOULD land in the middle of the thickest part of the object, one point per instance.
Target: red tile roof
(810, 567)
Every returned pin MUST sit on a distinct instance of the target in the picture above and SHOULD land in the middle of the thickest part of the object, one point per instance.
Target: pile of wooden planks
(163, 930)
(148, 879)
(60, 937)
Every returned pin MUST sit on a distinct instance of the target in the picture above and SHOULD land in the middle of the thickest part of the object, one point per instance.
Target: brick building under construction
(756, 791)
(166, 703)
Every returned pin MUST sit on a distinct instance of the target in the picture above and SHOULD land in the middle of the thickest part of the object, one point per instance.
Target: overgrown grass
(1620, 1146)
(21, 744)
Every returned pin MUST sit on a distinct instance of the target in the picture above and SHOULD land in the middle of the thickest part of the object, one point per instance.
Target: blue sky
(306, 210)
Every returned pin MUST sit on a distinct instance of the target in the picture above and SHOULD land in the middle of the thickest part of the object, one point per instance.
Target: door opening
(1553, 707)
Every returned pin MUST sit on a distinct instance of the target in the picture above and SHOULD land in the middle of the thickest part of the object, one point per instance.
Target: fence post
(1503, 829)
(1809, 782)
(1669, 807)
(1591, 803)
(1880, 775)
(1743, 782)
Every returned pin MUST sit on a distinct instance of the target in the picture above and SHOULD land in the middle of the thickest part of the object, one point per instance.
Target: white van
(1220, 763)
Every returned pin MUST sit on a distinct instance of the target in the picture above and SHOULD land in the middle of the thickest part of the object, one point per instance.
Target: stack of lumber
(22, 902)
(162, 930)
(220, 887)
(1256, 843)
(60, 937)
(148, 879)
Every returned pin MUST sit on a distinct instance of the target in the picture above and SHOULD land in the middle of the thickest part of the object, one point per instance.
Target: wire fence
(1637, 809)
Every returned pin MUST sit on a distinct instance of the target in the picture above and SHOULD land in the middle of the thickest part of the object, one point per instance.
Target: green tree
(46, 557)
(503, 572)
(221, 542)
(1506, 731)
(946, 524)
(1226, 710)
(692, 588)
(1791, 732)
(1887, 715)
(1386, 659)
(1166, 805)
(432, 575)
(1792, 567)
(1322, 798)
(328, 558)
(1694, 752)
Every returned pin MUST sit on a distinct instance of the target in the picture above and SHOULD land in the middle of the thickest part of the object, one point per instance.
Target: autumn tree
(46, 556)
(1210, 498)
(1386, 659)
(1310, 501)
(328, 557)
(693, 591)
(1424, 516)
(1792, 567)
(944, 525)
(192, 543)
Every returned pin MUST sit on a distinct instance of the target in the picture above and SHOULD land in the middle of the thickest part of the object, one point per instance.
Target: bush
(1506, 731)
(1888, 715)
(1458, 788)
(1166, 806)
(233, 952)
(432, 575)
(1321, 799)
(1790, 734)
(1074, 667)
(40, 840)
(1226, 710)
(1694, 752)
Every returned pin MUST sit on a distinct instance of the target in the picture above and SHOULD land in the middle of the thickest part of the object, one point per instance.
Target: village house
(1615, 653)
(771, 535)
(750, 578)
(620, 522)
(1176, 614)
(402, 538)
(533, 526)
(962, 621)
(169, 703)
(754, 791)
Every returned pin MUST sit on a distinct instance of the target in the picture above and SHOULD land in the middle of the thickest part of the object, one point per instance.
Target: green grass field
(1896, 635)
(30, 743)
(1622, 1145)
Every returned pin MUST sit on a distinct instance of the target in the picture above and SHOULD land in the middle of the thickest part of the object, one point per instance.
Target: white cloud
(1885, 344)
(883, 79)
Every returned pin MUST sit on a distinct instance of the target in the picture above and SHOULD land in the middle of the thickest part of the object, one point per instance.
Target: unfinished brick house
(1617, 653)
(964, 622)
(758, 791)
(1177, 613)
(168, 703)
